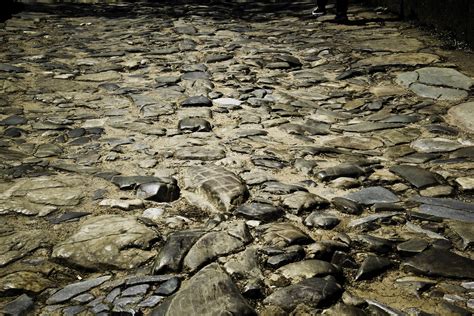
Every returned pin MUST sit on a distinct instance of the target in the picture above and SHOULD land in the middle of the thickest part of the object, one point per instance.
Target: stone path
(195, 159)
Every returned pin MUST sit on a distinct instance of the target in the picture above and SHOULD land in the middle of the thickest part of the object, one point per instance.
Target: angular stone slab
(210, 292)
(200, 153)
(162, 190)
(352, 142)
(307, 269)
(259, 211)
(71, 290)
(16, 245)
(417, 176)
(435, 145)
(372, 195)
(400, 59)
(440, 262)
(219, 186)
(462, 115)
(107, 241)
(313, 292)
(283, 235)
(446, 208)
(24, 281)
(176, 247)
(209, 247)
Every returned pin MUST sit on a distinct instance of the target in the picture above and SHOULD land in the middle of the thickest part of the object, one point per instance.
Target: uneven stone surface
(107, 241)
(210, 292)
(148, 146)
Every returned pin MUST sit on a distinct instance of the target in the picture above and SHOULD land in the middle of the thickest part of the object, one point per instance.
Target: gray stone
(352, 142)
(417, 176)
(24, 282)
(160, 190)
(307, 269)
(283, 235)
(372, 266)
(391, 44)
(221, 188)
(347, 206)
(399, 59)
(259, 211)
(412, 246)
(13, 120)
(150, 301)
(446, 208)
(435, 145)
(465, 231)
(176, 247)
(194, 124)
(209, 292)
(140, 289)
(321, 220)
(16, 245)
(462, 115)
(107, 241)
(373, 195)
(371, 218)
(342, 170)
(203, 153)
(100, 77)
(168, 287)
(71, 290)
(304, 201)
(21, 305)
(439, 262)
(312, 292)
(60, 196)
(196, 101)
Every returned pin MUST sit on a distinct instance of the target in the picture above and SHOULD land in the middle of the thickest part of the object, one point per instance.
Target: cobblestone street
(176, 158)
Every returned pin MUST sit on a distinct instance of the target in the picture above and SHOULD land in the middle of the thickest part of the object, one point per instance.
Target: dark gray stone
(342, 170)
(131, 182)
(176, 247)
(168, 287)
(196, 101)
(312, 292)
(321, 220)
(412, 246)
(372, 266)
(372, 195)
(13, 120)
(259, 211)
(20, 306)
(346, 206)
(440, 262)
(140, 289)
(160, 190)
(418, 177)
(71, 290)
(194, 124)
(203, 153)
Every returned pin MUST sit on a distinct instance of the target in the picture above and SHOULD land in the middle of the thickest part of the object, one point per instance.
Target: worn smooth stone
(372, 266)
(466, 183)
(107, 241)
(150, 301)
(342, 170)
(100, 77)
(209, 292)
(437, 191)
(168, 287)
(135, 290)
(162, 190)
(21, 305)
(219, 186)
(439, 262)
(259, 211)
(194, 125)
(209, 247)
(176, 247)
(312, 292)
(307, 269)
(24, 282)
(440, 211)
(412, 246)
(371, 218)
(376, 244)
(435, 145)
(372, 195)
(304, 201)
(17, 244)
(196, 101)
(417, 176)
(321, 220)
(200, 153)
(283, 235)
(13, 120)
(347, 206)
(462, 115)
(122, 204)
(398, 59)
(74, 289)
(465, 231)
(359, 143)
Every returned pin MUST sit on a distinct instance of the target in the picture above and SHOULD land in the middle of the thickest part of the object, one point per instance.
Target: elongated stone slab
(219, 186)
(417, 176)
(210, 292)
(71, 290)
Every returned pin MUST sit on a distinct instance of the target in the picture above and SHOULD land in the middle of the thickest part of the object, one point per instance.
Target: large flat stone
(220, 187)
(210, 292)
(107, 241)
(462, 115)
(16, 245)
(440, 262)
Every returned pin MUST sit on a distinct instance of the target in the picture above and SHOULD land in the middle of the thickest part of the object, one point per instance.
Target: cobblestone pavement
(193, 159)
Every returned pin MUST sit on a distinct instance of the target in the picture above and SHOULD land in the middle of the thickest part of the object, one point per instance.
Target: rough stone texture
(222, 188)
(74, 289)
(312, 292)
(107, 241)
(210, 292)
(16, 245)
(439, 262)
(463, 115)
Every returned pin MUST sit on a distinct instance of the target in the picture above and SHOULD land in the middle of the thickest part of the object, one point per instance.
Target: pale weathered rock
(222, 188)
(16, 245)
(463, 115)
(107, 241)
